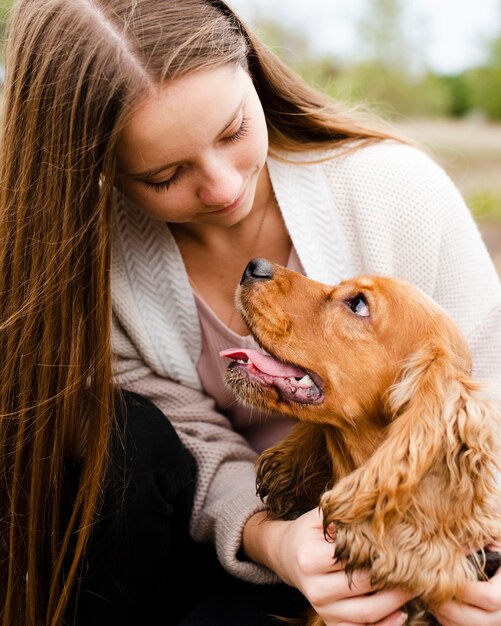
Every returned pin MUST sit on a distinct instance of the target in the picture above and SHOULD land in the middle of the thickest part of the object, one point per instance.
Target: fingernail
(401, 619)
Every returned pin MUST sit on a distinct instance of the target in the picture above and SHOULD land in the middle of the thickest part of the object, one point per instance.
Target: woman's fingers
(395, 619)
(484, 594)
(356, 604)
(480, 605)
(370, 609)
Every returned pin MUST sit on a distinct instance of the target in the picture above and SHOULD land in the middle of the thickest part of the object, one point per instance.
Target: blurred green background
(455, 115)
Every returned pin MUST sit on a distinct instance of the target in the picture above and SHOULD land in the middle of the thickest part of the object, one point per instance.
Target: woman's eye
(241, 132)
(165, 184)
(359, 305)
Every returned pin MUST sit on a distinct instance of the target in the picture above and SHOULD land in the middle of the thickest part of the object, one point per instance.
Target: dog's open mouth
(292, 383)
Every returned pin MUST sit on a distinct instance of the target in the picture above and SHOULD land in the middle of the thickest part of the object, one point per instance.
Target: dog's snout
(257, 269)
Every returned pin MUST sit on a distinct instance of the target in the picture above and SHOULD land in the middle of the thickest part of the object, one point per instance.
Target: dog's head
(333, 352)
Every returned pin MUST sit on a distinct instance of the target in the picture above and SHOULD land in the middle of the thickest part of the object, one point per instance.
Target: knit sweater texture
(383, 209)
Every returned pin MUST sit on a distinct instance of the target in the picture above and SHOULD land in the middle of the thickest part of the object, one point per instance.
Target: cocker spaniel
(393, 439)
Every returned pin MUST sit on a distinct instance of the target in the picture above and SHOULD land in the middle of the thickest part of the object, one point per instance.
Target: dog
(392, 438)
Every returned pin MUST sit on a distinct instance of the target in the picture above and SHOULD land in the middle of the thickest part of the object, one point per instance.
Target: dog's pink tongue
(263, 362)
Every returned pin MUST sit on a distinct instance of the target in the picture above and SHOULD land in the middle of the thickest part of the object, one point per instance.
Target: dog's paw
(349, 501)
(354, 546)
(435, 570)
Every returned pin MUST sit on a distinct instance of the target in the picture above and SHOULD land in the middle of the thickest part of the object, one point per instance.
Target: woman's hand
(299, 554)
(480, 605)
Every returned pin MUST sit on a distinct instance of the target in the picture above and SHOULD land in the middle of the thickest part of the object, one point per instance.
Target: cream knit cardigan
(385, 209)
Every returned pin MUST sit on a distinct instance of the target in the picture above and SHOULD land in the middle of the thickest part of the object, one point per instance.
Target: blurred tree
(390, 72)
(381, 36)
(457, 93)
(485, 81)
(485, 87)
(295, 49)
(5, 6)
(387, 74)
(4, 11)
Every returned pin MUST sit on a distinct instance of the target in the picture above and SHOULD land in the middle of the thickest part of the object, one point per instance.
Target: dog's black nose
(257, 269)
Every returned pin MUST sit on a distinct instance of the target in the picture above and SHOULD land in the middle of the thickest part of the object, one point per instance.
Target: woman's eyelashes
(242, 131)
(165, 184)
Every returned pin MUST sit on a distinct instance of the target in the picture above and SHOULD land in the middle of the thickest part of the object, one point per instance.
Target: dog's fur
(395, 440)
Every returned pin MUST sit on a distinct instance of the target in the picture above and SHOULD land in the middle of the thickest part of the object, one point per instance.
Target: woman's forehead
(193, 108)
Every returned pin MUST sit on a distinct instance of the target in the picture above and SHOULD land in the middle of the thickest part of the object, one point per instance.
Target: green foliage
(388, 74)
(381, 35)
(5, 6)
(457, 91)
(485, 205)
(485, 90)
(392, 91)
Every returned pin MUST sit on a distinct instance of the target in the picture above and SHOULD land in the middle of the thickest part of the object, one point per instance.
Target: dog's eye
(358, 305)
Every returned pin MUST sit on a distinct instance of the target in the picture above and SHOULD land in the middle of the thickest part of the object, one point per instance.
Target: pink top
(260, 429)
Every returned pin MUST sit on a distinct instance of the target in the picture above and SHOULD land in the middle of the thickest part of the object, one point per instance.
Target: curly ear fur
(293, 474)
(440, 422)
(435, 467)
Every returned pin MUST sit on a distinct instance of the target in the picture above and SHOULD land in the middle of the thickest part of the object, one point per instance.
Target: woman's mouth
(230, 207)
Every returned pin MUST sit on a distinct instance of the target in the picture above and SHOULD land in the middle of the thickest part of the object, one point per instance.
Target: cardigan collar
(303, 193)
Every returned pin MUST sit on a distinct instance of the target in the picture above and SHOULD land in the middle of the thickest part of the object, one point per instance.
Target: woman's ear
(293, 474)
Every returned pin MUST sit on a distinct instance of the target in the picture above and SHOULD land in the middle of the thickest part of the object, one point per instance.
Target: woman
(151, 149)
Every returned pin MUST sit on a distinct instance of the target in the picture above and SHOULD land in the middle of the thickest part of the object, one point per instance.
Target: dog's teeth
(306, 381)
(245, 361)
(303, 382)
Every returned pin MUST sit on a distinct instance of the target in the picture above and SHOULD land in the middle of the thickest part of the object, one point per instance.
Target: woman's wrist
(262, 539)
(254, 539)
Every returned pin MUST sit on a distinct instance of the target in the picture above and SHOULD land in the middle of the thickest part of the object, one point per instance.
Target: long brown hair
(75, 69)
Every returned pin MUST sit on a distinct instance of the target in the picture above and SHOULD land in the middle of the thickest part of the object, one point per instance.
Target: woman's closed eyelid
(242, 130)
(234, 124)
(164, 184)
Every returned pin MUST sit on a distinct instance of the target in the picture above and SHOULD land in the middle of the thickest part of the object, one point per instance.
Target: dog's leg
(293, 474)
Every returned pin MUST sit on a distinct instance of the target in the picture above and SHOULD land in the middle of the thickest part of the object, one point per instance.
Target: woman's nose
(220, 186)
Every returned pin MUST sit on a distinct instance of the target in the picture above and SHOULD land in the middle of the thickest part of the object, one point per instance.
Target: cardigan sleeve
(225, 494)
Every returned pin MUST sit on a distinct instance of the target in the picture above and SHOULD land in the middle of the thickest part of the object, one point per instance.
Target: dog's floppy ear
(293, 474)
(446, 419)
(439, 419)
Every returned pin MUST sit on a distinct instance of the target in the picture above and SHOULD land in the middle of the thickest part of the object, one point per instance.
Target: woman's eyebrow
(166, 166)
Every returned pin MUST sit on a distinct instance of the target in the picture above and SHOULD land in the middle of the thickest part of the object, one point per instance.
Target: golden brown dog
(393, 438)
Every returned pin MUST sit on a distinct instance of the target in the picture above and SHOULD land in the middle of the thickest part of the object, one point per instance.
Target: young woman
(150, 150)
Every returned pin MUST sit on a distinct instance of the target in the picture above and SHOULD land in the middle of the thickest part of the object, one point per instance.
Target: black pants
(143, 569)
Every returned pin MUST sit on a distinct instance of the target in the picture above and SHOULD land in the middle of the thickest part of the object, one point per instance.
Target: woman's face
(193, 152)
